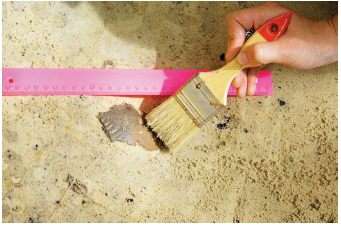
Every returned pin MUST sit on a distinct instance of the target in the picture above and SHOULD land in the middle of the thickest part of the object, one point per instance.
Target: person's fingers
(259, 54)
(241, 21)
(238, 80)
(235, 40)
(241, 91)
(251, 80)
(256, 17)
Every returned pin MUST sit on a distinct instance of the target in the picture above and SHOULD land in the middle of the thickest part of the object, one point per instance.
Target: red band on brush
(274, 28)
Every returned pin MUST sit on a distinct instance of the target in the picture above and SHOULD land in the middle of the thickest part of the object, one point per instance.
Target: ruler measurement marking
(106, 82)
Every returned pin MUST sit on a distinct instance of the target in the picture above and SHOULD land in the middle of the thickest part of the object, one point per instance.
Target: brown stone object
(124, 123)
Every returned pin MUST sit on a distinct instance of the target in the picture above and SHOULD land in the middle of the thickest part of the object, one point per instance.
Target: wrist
(333, 24)
(329, 40)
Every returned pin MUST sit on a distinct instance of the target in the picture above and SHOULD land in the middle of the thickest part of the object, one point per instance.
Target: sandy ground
(273, 163)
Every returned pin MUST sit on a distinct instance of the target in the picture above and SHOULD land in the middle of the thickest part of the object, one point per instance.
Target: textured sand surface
(275, 161)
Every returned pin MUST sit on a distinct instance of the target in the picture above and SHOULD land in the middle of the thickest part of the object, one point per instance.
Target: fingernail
(242, 59)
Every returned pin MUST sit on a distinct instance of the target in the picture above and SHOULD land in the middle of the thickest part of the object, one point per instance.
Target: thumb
(260, 54)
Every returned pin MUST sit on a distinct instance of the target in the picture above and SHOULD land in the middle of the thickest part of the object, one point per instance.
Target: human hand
(306, 43)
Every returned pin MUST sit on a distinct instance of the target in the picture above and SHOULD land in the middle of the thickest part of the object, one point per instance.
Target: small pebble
(222, 126)
(281, 103)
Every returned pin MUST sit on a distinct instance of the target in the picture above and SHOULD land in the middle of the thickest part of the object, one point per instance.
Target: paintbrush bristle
(172, 124)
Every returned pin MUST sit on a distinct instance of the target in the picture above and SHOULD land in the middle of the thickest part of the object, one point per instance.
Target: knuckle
(258, 53)
(228, 17)
(271, 4)
(231, 16)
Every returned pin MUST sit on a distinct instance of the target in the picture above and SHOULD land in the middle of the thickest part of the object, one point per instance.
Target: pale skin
(306, 43)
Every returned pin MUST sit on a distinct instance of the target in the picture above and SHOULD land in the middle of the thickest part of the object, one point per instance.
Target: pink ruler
(23, 81)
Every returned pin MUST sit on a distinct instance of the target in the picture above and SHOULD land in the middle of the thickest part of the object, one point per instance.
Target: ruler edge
(4, 93)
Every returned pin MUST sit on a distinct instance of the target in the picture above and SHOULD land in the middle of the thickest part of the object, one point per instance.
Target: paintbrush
(182, 115)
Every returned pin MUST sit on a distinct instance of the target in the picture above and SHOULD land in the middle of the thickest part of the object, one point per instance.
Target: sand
(275, 159)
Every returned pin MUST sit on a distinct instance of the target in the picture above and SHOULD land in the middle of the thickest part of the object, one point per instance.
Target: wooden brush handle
(218, 81)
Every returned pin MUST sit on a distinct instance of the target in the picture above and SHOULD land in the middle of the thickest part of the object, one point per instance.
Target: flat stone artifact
(124, 123)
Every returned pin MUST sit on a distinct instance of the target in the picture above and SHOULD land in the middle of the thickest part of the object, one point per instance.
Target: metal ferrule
(197, 100)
